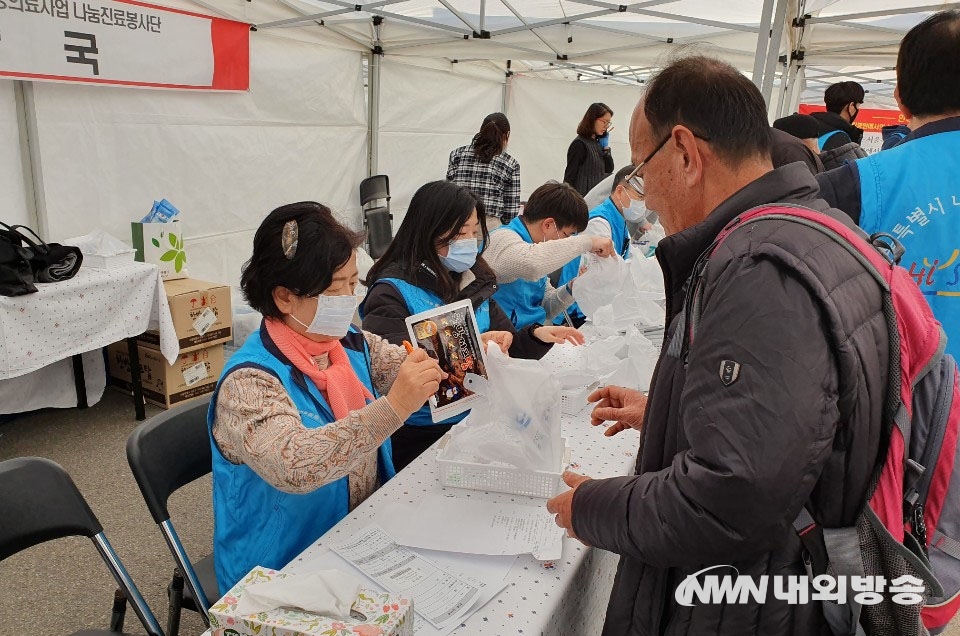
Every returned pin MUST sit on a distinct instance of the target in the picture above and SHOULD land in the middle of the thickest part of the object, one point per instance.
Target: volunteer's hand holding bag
(516, 421)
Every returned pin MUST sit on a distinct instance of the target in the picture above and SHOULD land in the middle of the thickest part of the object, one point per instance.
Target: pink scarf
(338, 383)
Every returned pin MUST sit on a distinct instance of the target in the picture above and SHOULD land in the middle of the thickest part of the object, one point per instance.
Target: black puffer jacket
(724, 470)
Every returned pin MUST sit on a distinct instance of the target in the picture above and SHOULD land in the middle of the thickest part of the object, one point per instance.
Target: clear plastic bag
(600, 284)
(517, 419)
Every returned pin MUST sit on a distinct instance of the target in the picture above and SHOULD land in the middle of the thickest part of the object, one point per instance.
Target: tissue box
(162, 245)
(386, 615)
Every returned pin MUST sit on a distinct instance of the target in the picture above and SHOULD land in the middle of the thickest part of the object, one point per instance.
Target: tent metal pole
(773, 53)
(373, 81)
(763, 42)
(30, 157)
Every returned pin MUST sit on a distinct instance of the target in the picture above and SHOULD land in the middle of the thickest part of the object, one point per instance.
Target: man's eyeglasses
(635, 179)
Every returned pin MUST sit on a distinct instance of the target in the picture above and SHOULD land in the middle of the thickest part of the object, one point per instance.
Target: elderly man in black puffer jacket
(776, 405)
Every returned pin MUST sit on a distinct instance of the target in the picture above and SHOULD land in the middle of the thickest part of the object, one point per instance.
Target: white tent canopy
(342, 90)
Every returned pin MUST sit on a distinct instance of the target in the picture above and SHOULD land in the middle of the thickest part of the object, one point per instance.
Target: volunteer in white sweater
(523, 253)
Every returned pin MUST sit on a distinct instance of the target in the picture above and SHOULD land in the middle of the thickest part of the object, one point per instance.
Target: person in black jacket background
(727, 461)
(588, 158)
(843, 101)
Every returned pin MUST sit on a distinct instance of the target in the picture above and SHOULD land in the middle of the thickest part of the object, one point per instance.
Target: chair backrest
(373, 188)
(169, 451)
(379, 224)
(39, 502)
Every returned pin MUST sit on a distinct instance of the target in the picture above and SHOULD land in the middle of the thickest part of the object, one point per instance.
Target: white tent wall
(224, 159)
(13, 197)
(424, 114)
(544, 115)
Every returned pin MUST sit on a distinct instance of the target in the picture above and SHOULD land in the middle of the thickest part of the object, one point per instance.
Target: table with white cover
(567, 597)
(51, 339)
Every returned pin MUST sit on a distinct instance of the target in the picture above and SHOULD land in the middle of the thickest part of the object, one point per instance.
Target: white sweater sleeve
(512, 258)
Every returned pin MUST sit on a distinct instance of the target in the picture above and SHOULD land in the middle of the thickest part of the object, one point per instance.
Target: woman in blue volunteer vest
(435, 260)
(299, 432)
(609, 220)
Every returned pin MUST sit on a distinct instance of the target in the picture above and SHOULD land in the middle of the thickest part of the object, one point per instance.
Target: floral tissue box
(373, 614)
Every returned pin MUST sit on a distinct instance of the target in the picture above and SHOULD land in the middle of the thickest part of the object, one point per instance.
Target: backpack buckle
(889, 247)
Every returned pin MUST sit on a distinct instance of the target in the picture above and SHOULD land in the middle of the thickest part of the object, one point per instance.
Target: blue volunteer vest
(522, 300)
(823, 139)
(419, 300)
(621, 240)
(254, 523)
(912, 191)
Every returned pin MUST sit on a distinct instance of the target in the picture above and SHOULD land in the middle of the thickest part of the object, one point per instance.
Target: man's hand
(562, 504)
(503, 339)
(623, 406)
(602, 246)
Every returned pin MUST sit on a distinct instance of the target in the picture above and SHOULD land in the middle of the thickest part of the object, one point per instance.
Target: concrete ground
(62, 586)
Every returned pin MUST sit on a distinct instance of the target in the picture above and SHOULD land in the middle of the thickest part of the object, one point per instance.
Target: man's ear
(690, 161)
(903, 109)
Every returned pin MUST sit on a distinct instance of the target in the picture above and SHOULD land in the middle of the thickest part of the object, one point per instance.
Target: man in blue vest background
(912, 191)
(843, 101)
(608, 220)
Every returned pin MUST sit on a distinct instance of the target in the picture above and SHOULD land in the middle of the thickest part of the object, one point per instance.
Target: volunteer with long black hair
(435, 260)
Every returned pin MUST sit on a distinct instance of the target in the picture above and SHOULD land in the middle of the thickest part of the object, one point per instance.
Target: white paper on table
(439, 596)
(487, 572)
(454, 524)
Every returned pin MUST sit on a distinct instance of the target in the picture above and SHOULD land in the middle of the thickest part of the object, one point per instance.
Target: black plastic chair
(165, 453)
(39, 503)
(377, 220)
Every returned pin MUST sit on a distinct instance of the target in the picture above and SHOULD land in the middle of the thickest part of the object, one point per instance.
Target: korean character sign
(161, 244)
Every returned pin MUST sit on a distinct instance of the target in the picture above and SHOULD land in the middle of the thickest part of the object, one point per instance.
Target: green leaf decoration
(155, 242)
(169, 255)
(178, 261)
(172, 238)
(180, 242)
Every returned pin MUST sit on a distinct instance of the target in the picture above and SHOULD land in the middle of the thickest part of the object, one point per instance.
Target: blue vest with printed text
(419, 300)
(522, 300)
(912, 191)
(254, 522)
(621, 241)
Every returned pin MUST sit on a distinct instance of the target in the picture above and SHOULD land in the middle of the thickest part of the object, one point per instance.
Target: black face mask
(853, 117)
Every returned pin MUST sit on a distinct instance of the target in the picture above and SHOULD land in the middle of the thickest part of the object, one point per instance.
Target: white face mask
(333, 317)
(636, 211)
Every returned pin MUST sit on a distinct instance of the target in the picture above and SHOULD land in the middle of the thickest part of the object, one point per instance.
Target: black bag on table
(16, 275)
(50, 262)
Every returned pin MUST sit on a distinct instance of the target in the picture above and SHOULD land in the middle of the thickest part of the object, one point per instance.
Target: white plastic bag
(517, 420)
(601, 283)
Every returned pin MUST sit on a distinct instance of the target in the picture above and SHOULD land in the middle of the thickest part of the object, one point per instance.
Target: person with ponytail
(488, 171)
(436, 259)
(300, 421)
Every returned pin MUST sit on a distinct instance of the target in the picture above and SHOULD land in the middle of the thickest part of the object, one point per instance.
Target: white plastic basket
(499, 477)
(574, 401)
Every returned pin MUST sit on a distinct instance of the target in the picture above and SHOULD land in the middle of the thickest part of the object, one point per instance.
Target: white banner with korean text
(122, 42)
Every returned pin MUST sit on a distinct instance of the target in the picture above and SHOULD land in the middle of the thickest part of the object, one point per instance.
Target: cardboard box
(195, 373)
(202, 314)
(384, 615)
(162, 245)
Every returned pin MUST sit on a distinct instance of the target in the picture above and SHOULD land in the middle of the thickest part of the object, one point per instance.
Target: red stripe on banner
(231, 55)
(89, 80)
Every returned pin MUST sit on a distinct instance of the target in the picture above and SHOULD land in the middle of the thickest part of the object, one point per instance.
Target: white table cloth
(564, 598)
(40, 332)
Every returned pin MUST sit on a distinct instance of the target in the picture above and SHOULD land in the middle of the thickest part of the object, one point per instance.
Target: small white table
(41, 332)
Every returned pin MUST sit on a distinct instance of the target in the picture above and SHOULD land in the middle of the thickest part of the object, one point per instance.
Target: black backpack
(25, 261)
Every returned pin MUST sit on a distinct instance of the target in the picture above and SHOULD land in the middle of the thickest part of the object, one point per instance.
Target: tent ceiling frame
(470, 25)
(882, 13)
(606, 29)
(313, 17)
(852, 47)
(530, 26)
(858, 75)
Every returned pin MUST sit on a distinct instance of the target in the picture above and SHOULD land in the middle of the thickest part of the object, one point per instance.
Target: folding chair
(377, 220)
(39, 503)
(165, 453)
